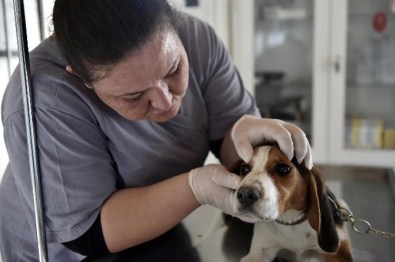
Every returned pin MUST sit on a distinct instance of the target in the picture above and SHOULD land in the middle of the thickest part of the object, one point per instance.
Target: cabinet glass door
(370, 76)
(362, 82)
(283, 43)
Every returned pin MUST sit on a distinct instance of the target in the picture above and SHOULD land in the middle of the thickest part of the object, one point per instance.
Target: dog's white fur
(266, 208)
(269, 236)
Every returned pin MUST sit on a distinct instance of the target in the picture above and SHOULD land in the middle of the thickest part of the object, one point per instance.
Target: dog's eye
(244, 169)
(283, 169)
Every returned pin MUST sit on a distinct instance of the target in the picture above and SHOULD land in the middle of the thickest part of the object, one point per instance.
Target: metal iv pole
(23, 52)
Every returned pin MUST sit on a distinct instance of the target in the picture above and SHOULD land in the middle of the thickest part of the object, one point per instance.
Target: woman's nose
(161, 97)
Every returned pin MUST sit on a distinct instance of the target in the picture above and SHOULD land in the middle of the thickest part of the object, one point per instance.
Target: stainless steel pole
(23, 51)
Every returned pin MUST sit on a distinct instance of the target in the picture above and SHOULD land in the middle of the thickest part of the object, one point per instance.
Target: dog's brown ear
(320, 214)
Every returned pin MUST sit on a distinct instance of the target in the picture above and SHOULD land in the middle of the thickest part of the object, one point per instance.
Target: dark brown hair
(96, 34)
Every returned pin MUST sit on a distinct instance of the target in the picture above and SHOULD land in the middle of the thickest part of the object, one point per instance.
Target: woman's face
(150, 83)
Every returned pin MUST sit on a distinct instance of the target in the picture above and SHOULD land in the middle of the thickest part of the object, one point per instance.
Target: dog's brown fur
(300, 190)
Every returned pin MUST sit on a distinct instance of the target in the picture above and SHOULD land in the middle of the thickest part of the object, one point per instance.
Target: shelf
(371, 158)
(353, 85)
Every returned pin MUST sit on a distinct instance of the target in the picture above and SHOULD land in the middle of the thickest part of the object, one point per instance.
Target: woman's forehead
(149, 63)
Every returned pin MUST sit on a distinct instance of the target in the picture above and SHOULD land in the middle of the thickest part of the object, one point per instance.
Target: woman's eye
(174, 73)
(134, 98)
(245, 169)
(283, 169)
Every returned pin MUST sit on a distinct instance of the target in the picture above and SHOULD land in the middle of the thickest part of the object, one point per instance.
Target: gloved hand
(214, 185)
(250, 131)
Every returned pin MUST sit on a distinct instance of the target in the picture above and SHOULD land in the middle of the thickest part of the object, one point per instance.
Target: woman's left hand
(250, 131)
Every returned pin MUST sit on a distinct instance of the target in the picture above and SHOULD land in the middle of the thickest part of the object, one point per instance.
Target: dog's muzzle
(248, 195)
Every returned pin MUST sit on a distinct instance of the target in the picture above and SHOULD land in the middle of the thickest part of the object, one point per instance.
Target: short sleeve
(222, 88)
(225, 95)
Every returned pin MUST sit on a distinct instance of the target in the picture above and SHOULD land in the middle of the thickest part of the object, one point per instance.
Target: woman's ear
(70, 70)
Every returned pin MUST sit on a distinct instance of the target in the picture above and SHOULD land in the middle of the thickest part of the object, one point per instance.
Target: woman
(129, 97)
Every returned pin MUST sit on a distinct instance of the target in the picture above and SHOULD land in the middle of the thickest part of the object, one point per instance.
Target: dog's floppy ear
(320, 214)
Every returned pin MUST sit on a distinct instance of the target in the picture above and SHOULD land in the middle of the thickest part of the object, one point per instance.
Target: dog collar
(296, 221)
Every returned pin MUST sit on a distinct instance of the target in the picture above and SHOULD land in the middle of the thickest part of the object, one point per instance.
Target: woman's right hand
(214, 185)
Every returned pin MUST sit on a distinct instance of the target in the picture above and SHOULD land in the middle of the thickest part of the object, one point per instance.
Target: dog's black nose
(247, 195)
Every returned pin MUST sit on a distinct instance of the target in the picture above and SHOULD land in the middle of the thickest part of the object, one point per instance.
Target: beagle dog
(292, 209)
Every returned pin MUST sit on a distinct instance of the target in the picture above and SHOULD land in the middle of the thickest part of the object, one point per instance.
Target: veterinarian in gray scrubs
(130, 96)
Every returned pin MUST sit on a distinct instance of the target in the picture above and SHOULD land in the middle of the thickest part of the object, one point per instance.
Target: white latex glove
(250, 131)
(214, 185)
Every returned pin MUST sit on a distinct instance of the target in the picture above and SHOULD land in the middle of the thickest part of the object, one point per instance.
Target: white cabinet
(362, 91)
(339, 57)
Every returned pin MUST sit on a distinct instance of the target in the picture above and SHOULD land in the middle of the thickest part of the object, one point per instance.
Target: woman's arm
(135, 215)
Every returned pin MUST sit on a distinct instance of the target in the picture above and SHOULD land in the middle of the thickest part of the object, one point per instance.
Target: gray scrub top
(87, 151)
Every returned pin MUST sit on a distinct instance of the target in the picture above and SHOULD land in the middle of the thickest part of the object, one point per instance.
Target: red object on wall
(379, 21)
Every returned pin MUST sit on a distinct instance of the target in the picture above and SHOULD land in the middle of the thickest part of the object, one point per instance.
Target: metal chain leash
(361, 226)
